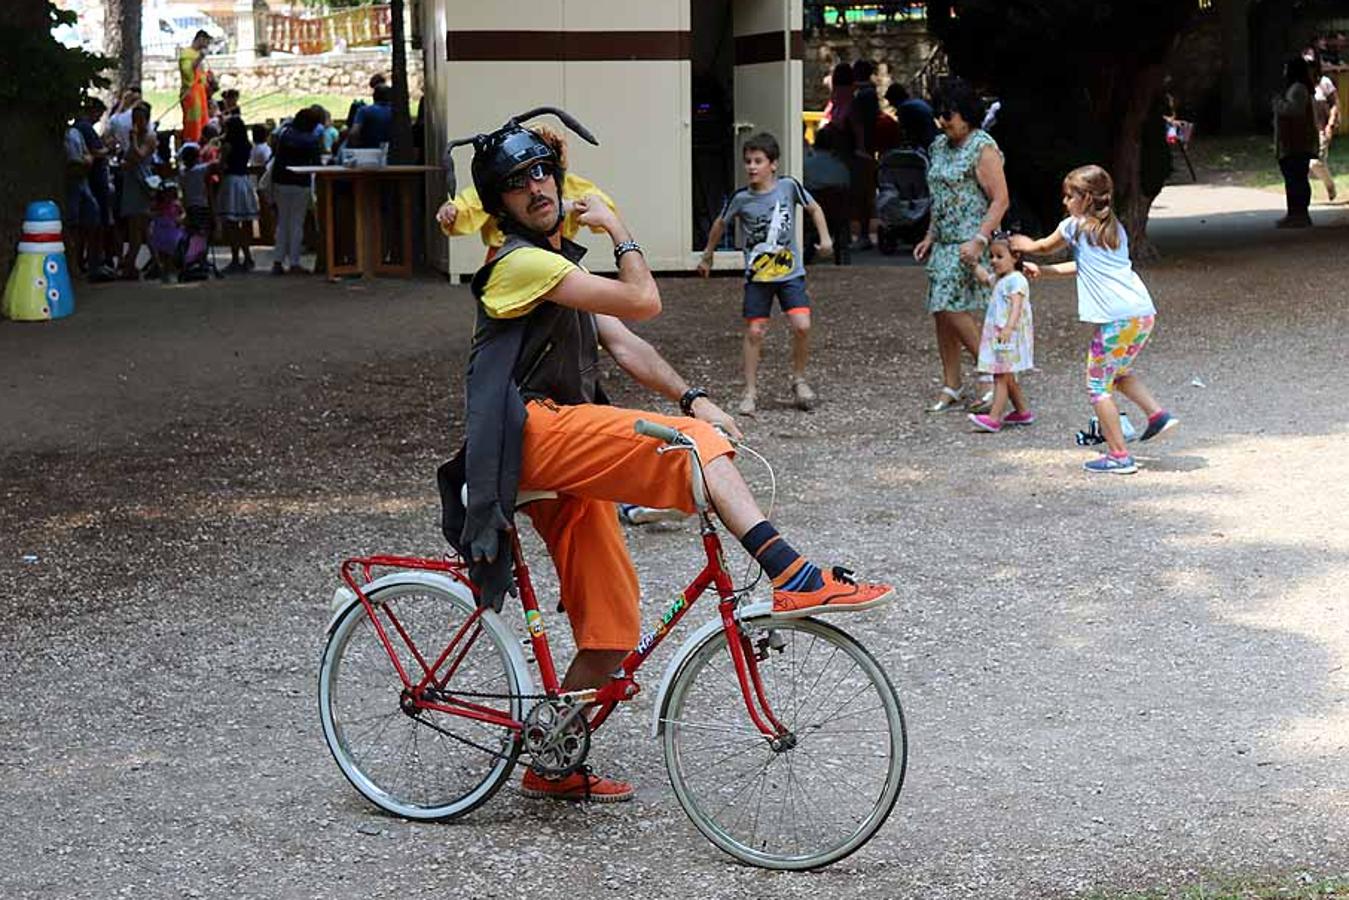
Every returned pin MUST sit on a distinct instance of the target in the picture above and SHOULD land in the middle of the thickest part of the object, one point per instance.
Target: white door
(767, 78)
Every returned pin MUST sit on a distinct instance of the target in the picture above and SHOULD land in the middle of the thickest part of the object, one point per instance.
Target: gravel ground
(1110, 682)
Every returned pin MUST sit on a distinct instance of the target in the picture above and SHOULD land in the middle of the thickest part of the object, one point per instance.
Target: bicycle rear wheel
(419, 764)
(804, 805)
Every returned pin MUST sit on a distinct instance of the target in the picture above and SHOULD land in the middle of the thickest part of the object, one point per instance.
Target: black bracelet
(686, 401)
(626, 247)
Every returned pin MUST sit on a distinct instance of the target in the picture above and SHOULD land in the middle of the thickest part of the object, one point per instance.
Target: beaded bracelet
(625, 247)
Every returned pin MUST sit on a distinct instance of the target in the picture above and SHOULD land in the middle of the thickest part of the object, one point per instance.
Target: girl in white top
(1007, 345)
(1110, 295)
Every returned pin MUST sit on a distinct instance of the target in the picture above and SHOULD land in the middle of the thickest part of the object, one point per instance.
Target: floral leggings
(1113, 350)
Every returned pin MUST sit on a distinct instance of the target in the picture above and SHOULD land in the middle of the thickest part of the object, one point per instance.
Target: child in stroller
(903, 201)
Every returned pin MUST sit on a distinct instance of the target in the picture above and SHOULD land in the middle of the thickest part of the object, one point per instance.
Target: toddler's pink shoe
(1019, 418)
(985, 422)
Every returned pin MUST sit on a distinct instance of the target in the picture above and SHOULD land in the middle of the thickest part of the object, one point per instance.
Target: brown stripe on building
(798, 45)
(566, 46)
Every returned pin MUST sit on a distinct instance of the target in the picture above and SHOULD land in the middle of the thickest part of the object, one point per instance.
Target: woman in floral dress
(969, 199)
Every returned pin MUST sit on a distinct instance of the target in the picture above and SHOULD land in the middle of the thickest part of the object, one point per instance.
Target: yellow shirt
(519, 281)
(472, 217)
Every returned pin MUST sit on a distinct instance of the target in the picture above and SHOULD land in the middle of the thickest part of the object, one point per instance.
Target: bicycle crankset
(557, 737)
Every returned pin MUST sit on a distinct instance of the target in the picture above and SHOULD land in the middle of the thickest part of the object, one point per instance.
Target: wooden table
(368, 217)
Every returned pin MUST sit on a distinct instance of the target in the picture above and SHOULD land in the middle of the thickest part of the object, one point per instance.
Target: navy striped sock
(784, 566)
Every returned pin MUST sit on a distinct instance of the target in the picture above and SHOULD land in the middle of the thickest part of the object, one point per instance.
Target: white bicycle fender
(753, 610)
(343, 599)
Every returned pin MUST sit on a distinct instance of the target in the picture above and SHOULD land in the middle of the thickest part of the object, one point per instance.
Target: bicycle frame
(424, 689)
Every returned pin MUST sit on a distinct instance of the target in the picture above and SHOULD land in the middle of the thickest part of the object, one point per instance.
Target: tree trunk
(122, 41)
(1132, 202)
(400, 141)
(30, 138)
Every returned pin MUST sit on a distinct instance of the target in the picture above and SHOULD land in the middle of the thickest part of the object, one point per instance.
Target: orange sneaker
(578, 786)
(840, 593)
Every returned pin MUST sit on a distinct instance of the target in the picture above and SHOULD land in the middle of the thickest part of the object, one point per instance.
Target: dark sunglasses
(540, 171)
(945, 113)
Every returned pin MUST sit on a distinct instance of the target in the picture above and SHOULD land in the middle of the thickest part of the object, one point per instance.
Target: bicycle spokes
(816, 790)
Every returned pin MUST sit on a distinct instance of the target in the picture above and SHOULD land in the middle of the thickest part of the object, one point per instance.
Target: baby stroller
(903, 203)
(196, 261)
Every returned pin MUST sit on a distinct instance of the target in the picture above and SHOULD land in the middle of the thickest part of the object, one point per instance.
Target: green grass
(1294, 887)
(1249, 160)
(256, 109)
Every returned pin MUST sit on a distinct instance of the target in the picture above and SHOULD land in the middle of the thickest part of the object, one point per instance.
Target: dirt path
(1109, 683)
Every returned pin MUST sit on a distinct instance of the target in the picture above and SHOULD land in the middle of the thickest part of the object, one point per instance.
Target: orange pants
(590, 456)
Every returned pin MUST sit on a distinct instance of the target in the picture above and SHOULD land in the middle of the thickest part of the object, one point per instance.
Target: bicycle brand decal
(649, 639)
(534, 622)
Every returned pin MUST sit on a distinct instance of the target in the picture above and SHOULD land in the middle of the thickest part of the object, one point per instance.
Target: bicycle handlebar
(660, 432)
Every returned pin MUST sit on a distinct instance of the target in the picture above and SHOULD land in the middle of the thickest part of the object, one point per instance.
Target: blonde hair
(555, 140)
(1101, 227)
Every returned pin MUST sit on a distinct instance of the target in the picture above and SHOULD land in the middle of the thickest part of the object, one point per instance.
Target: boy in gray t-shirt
(765, 211)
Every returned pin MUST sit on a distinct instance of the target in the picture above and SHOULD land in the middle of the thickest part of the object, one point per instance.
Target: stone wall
(899, 50)
(331, 73)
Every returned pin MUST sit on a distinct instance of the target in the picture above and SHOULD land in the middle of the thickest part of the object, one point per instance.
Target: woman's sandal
(984, 403)
(949, 399)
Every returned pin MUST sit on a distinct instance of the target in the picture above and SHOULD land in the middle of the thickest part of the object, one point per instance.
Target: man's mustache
(538, 202)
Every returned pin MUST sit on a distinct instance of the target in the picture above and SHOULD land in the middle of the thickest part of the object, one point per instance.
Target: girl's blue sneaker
(1113, 465)
(1159, 425)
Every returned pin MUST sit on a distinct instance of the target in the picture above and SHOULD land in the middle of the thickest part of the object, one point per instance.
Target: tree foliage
(1079, 82)
(66, 73)
(42, 85)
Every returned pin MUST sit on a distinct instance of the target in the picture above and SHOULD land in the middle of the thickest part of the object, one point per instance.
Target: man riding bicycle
(538, 420)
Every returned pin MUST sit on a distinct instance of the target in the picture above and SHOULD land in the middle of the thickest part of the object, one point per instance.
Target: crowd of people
(141, 203)
(858, 136)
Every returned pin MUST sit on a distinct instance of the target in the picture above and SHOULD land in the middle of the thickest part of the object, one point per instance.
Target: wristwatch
(686, 401)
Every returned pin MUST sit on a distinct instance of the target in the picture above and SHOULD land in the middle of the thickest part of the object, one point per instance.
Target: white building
(669, 87)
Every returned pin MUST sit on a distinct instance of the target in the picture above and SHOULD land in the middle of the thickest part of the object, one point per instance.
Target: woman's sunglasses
(540, 171)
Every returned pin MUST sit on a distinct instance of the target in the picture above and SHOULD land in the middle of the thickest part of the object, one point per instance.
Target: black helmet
(509, 149)
(505, 152)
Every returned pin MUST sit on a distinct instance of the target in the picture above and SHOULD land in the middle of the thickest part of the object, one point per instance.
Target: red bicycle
(783, 737)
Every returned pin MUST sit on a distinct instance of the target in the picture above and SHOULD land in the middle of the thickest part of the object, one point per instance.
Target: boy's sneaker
(1026, 417)
(1112, 465)
(985, 423)
(804, 396)
(632, 514)
(1159, 425)
(747, 404)
(839, 593)
(578, 786)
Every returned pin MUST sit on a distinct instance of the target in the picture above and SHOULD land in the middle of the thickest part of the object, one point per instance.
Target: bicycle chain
(463, 740)
(440, 694)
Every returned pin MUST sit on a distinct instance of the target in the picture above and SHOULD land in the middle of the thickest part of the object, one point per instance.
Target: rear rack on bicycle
(453, 566)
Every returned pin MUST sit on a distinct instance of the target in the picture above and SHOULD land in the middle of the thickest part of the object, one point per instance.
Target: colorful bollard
(39, 286)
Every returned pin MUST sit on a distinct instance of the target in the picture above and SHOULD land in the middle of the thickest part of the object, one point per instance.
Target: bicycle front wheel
(419, 764)
(823, 792)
